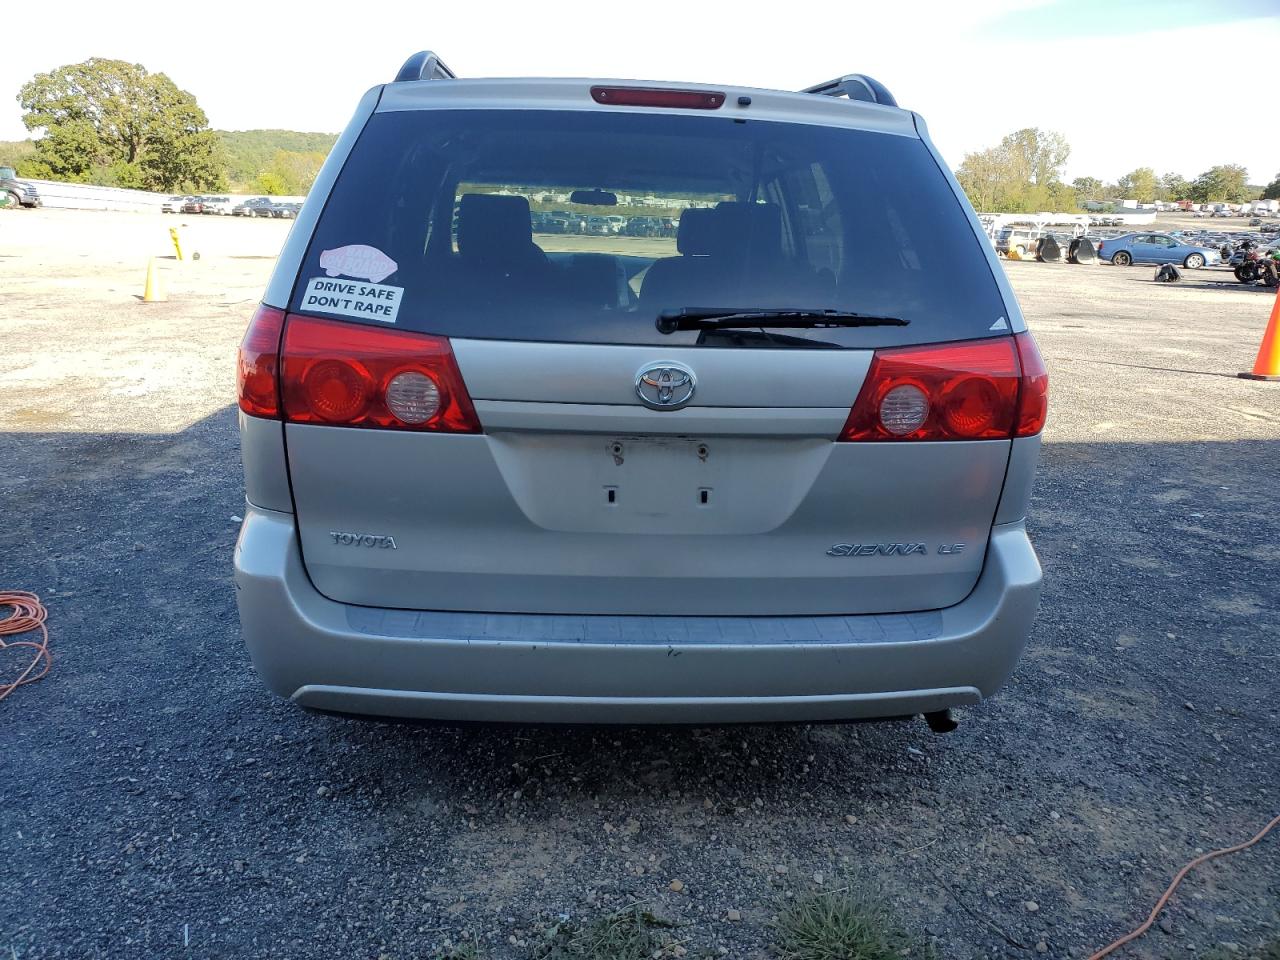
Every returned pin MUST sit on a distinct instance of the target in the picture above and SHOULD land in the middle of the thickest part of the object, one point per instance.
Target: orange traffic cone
(1267, 366)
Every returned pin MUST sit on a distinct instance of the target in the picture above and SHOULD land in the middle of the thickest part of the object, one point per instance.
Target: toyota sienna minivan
(770, 465)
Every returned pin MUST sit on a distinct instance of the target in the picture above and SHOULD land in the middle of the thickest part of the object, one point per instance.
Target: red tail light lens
(975, 390)
(351, 375)
(1033, 399)
(658, 97)
(257, 366)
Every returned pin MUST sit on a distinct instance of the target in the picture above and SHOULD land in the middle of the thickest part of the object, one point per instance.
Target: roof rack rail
(856, 86)
(424, 65)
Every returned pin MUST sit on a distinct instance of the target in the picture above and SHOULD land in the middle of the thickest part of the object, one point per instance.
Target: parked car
(222, 206)
(1155, 248)
(572, 222)
(642, 227)
(194, 205)
(285, 211)
(20, 193)
(174, 204)
(1021, 239)
(487, 481)
(256, 207)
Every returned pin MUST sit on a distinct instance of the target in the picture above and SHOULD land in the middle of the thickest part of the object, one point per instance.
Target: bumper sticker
(346, 298)
(357, 260)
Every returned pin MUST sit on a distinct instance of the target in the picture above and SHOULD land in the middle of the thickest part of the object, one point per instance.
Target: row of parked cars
(1227, 214)
(229, 207)
(1115, 246)
(563, 221)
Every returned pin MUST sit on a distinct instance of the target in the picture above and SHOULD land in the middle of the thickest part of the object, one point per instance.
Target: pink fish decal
(359, 261)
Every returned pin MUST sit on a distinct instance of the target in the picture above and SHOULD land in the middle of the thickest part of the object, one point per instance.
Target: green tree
(271, 183)
(70, 150)
(1037, 155)
(1226, 182)
(250, 152)
(1020, 175)
(1140, 185)
(1272, 191)
(112, 120)
(1087, 188)
(291, 173)
(1174, 186)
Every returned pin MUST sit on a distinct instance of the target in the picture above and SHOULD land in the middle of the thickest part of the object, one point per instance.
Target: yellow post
(153, 292)
(177, 244)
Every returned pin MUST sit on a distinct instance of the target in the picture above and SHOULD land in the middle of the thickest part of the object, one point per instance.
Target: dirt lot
(160, 803)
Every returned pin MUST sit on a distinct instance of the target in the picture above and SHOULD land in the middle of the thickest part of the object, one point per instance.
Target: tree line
(1023, 174)
(112, 123)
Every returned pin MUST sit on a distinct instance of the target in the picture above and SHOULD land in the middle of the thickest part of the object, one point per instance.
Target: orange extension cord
(1160, 904)
(28, 614)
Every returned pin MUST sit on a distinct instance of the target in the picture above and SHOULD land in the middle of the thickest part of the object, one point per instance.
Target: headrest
(695, 237)
(760, 223)
(493, 225)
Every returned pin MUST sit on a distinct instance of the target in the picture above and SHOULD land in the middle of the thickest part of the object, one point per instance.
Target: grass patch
(840, 926)
(633, 933)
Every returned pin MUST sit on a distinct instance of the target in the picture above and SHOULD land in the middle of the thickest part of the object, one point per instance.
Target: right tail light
(972, 390)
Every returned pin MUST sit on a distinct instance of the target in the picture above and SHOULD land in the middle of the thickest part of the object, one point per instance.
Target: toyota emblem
(665, 386)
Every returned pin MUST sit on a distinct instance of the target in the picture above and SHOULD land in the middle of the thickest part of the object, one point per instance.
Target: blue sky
(1128, 82)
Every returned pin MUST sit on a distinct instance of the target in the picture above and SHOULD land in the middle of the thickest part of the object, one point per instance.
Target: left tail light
(308, 370)
(258, 363)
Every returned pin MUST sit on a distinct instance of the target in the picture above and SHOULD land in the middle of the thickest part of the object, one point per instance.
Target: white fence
(84, 196)
(993, 223)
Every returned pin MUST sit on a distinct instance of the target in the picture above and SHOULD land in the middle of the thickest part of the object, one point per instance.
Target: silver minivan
(773, 466)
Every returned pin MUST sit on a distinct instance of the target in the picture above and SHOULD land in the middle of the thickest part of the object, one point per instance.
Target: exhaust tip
(941, 721)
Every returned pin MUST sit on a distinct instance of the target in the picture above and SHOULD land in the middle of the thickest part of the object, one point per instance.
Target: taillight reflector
(972, 390)
(257, 366)
(1033, 398)
(352, 375)
(658, 97)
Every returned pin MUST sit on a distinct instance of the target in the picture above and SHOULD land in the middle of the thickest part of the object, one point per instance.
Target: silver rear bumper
(600, 669)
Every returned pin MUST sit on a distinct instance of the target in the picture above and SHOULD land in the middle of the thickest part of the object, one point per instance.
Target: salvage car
(19, 193)
(1155, 248)
(777, 470)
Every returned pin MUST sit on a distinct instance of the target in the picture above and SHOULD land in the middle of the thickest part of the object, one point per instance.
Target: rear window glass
(586, 225)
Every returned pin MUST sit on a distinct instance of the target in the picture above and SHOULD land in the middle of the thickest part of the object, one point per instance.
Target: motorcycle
(1250, 265)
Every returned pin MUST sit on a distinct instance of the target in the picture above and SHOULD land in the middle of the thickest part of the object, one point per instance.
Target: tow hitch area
(941, 721)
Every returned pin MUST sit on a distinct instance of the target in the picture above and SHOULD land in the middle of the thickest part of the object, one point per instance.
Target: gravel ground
(160, 803)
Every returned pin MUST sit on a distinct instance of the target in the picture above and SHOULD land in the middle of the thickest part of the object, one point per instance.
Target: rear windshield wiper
(711, 318)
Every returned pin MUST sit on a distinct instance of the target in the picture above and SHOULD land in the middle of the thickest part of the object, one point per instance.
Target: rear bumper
(600, 669)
